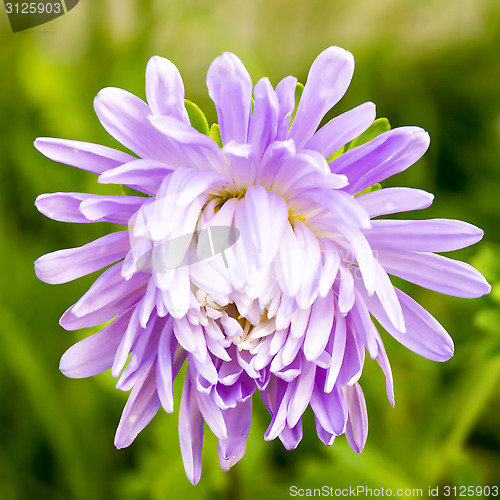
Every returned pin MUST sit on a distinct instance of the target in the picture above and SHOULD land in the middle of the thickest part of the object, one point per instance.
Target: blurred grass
(433, 63)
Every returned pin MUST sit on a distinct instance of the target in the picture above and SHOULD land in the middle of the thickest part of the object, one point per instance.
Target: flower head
(255, 257)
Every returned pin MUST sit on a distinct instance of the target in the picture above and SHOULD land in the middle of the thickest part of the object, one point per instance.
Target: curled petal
(357, 422)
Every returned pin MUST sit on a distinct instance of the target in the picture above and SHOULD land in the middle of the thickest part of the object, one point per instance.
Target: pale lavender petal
(346, 290)
(277, 398)
(353, 361)
(72, 263)
(435, 272)
(165, 89)
(424, 335)
(329, 408)
(383, 361)
(109, 296)
(362, 326)
(291, 436)
(64, 207)
(327, 81)
(337, 352)
(190, 433)
(141, 407)
(320, 325)
(125, 117)
(145, 174)
(331, 264)
(386, 155)
(264, 121)
(230, 87)
(95, 354)
(164, 367)
(394, 200)
(357, 423)
(91, 157)
(302, 393)
(285, 91)
(342, 129)
(238, 422)
(117, 209)
(431, 235)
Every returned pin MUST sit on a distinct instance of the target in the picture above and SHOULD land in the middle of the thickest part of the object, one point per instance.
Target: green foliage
(196, 117)
(215, 134)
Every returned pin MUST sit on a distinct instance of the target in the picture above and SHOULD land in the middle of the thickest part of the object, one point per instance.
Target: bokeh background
(432, 63)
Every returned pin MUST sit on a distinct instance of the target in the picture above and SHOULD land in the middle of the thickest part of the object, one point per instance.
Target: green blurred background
(432, 63)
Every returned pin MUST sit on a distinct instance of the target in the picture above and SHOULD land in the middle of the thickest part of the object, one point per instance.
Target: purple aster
(252, 256)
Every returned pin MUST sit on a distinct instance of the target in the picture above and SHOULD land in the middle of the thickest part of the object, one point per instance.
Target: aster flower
(252, 254)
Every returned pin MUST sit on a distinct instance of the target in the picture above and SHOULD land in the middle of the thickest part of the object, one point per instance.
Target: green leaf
(128, 191)
(376, 128)
(214, 133)
(369, 189)
(336, 154)
(299, 88)
(196, 117)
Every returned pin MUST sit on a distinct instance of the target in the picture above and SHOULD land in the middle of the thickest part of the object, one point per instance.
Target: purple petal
(394, 200)
(95, 354)
(435, 272)
(329, 408)
(291, 436)
(109, 296)
(117, 209)
(337, 352)
(190, 433)
(320, 325)
(125, 117)
(431, 235)
(327, 81)
(424, 335)
(342, 129)
(357, 423)
(386, 155)
(64, 207)
(72, 263)
(238, 422)
(285, 91)
(302, 394)
(141, 407)
(84, 155)
(264, 122)
(164, 368)
(353, 360)
(230, 87)
(165, 89)
(147, 175)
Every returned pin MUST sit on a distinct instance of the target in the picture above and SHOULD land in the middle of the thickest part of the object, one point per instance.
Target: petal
(230, 87)
(264, 122)
(291, 436)
(435, 272)
(109, 296)
(424, 335)
(72, 263)
(357, 423)
(302, 393)
(386, 155)
(147, 175)
(238, 422)
(285, 91)
(141, 407)
(342, 129)
(320, 325)
(165, 89)
(190, 433)
(329, 408)
(117, 209)
(64, 207)
(164, 367)
(394, 200)
(337, 352)
(84, 155)
(125, 117)
(431, 235)
(95, 354)
(327, 81)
